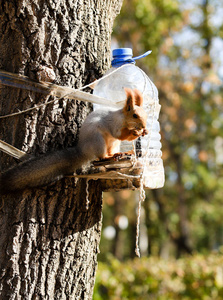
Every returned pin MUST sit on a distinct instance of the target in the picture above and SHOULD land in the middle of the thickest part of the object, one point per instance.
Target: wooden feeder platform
(118, 172)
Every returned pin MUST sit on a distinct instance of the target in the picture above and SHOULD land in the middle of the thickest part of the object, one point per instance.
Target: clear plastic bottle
(148, 148)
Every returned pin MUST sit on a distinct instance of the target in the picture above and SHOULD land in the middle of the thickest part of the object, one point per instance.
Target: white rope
(128, 176)
(142, 197)
(87, 194)
(137, 250)
(32, 108)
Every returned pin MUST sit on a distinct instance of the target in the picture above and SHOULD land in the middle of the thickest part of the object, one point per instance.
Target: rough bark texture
(49, 240)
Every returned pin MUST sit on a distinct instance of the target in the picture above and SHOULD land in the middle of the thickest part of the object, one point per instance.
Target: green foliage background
(186, 216)
(196, 278)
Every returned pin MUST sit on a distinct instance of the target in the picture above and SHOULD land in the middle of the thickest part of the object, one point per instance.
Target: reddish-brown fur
(133, 127)
(128, 135)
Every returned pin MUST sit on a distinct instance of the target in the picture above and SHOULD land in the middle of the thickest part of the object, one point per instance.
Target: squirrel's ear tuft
(129, 100)
(138, 97)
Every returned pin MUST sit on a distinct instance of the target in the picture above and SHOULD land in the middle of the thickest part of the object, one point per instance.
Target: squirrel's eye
(135, 116)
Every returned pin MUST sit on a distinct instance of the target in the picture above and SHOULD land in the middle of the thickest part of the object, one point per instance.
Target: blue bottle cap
(122, 52)
(123, 56)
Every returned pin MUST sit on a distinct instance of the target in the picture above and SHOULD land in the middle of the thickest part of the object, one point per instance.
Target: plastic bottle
(148, 148)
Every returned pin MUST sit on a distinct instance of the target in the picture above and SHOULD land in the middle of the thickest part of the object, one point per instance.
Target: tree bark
(49, 239)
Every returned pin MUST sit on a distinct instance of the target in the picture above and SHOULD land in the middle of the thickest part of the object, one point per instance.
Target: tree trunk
(49, 239)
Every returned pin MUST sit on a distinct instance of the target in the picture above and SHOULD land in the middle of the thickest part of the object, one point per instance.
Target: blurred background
(181, 229)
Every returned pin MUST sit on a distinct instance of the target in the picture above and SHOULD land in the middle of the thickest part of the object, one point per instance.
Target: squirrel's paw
(137, 133)
(145, 132)
(140, 132)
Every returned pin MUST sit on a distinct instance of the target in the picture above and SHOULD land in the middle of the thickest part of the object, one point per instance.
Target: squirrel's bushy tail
(41, 170)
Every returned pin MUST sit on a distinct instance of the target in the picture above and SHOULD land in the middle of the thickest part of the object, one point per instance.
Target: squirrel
(100, 137)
